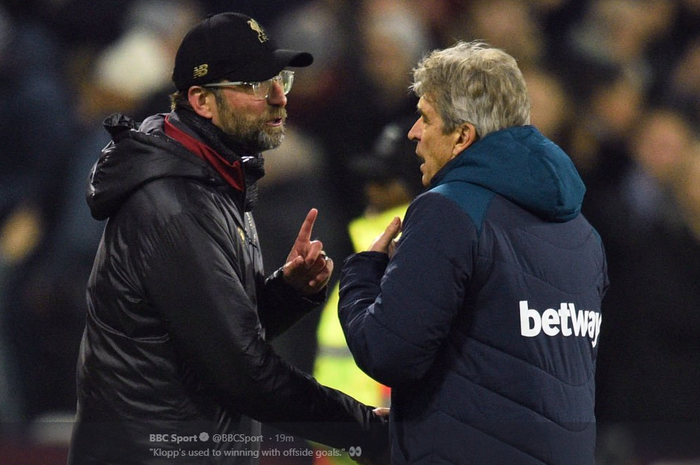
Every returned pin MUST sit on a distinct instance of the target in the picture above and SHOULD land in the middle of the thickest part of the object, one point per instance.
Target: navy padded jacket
(485, 322)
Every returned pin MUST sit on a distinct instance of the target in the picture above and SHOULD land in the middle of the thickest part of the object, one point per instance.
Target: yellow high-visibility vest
(334, 364)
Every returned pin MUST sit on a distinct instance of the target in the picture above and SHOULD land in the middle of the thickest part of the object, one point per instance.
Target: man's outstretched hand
(308, 268)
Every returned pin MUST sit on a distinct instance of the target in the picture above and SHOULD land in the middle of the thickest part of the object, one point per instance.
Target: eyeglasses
(261, 90)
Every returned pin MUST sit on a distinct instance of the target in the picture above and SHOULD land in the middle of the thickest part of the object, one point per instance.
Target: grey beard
(260, 141)
(267, 141)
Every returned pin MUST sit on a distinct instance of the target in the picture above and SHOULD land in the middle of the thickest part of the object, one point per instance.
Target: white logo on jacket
(566, 321)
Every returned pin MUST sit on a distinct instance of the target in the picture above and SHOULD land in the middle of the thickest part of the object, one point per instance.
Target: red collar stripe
(231, 172)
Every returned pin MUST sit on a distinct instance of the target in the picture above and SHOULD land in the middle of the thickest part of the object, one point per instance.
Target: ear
(202, 101)
(465, 135)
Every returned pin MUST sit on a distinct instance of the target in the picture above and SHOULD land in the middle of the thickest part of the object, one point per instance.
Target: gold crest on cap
(262, 37)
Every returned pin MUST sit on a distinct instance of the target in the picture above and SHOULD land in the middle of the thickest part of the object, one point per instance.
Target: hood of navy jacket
(522, 165)
(139, 154)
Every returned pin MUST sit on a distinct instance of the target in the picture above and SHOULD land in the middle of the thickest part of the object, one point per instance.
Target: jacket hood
(523, 166)
(135, 156)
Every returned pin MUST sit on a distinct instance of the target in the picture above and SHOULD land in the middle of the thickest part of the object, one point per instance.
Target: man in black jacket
(175, 363)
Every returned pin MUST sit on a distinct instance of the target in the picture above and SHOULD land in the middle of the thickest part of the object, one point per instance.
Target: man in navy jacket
(484, 316)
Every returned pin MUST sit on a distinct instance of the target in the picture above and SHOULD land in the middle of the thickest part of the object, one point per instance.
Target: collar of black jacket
(229, 149)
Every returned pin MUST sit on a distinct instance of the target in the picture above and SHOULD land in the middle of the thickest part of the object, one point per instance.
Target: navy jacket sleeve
(397, 314)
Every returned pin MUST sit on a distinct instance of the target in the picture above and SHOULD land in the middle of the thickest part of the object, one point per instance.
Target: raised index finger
(307, 226)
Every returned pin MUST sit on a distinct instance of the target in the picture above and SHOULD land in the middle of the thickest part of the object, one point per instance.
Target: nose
(276, 96)
(415, 131)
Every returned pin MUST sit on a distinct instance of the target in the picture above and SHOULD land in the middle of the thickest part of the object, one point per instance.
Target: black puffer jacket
(175, 348)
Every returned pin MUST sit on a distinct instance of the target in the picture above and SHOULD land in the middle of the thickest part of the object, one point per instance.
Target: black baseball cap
(232, 46)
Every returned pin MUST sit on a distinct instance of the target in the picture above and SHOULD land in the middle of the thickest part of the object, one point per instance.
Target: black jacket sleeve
(280, 306)
(195, 281)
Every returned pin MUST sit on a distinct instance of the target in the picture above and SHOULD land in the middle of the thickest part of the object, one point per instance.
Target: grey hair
(472, 82)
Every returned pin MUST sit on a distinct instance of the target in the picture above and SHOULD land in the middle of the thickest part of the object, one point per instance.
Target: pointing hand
(308, 269)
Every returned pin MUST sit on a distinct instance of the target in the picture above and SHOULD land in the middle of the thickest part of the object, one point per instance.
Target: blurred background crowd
(616, 83)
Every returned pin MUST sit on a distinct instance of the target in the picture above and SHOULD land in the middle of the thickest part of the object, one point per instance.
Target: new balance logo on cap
(201, 71)
(565, 321)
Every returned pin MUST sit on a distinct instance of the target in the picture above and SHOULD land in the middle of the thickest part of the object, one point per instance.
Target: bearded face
(257, 133)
